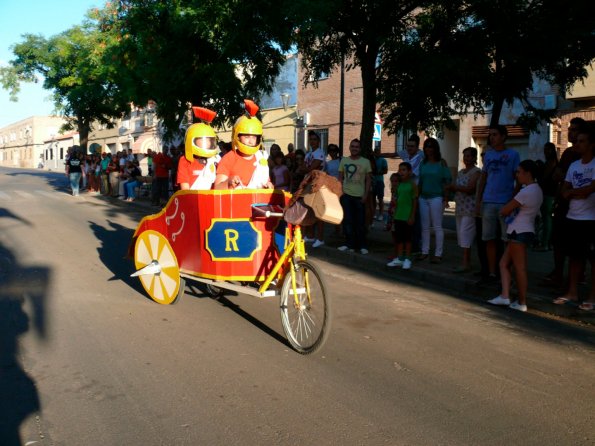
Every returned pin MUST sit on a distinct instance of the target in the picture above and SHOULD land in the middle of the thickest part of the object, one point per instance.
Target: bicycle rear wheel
(306, 322)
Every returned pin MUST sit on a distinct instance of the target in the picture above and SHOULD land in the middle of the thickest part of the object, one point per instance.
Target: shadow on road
(198, 290)
(20, 288)
(57, 180)
(114, 240)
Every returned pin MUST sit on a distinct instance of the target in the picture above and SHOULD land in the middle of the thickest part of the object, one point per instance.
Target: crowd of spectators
(505, 207)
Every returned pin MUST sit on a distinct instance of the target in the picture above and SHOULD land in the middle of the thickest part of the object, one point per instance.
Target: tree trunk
(368, 70)
(83, 129)
(496, 110)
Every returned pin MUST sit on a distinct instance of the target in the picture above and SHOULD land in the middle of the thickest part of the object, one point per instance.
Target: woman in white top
(520, 213)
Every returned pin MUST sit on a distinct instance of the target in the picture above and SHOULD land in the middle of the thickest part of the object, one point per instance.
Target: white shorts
(465, 230)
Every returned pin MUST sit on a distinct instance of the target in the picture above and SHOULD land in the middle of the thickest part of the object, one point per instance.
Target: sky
(45, 17)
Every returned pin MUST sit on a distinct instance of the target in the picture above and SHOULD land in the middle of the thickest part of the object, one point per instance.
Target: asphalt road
(87, 358)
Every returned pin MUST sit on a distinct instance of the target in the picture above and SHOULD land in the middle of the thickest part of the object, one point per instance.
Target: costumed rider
(246, 165)
(197, 168)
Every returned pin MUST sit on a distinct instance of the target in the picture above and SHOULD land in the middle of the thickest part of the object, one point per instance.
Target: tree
(329, 30)
(71, 66)
(467, 56)
(207, 52)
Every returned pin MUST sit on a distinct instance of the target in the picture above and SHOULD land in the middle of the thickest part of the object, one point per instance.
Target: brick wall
(323, 105)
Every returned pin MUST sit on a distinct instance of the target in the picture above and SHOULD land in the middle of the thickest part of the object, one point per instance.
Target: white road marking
(23, 194)
(45, 193)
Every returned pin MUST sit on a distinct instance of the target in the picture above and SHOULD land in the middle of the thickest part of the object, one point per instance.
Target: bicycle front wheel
(305, 314)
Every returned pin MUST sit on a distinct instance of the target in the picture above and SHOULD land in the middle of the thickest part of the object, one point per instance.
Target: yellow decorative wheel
(157, 267)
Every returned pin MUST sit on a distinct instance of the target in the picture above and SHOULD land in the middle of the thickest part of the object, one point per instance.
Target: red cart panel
(214, 235)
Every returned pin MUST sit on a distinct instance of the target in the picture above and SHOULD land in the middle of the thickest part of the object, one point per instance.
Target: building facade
(139, 130)
(579, 103)
(56, 148)
(319, 109)
(278, 110)
(22, 144)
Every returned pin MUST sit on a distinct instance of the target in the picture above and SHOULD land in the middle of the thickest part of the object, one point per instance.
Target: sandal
(587, 306)
(565, 301)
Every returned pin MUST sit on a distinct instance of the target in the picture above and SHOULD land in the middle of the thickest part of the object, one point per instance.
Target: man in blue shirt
(496, 188)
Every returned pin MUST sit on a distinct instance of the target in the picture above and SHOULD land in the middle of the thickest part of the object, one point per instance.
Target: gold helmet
(201, 140)
(248, 124)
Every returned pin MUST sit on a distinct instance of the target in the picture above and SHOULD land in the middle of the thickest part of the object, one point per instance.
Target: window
(323, 133)
(323, 75)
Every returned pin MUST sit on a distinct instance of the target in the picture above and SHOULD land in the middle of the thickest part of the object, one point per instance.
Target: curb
(460, 286)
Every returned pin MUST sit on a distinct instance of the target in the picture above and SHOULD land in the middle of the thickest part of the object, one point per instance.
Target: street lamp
(285, 100)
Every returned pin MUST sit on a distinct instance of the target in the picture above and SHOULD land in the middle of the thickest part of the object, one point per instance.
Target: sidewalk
(439, 277)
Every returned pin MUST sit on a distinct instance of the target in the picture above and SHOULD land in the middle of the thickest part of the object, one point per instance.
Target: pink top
(279, 177)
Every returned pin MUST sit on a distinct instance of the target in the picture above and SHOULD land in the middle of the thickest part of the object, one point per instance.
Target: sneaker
(499, 301)
(343, 248)
(517, 306)
(317, 243)
(407, 264)
(364, 251)
(309, 240)
(379, 218)
(395, 262)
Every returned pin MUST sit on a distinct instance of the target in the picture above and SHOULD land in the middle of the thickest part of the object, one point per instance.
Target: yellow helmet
(248, 124)
(200, 141)
(200, 138)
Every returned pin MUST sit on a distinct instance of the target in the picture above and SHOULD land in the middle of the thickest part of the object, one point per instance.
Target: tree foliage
(357, 30)
(71, 66)
(180, 52)
(471, 56)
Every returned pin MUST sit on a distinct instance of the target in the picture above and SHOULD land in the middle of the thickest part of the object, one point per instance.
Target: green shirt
(405, 197)
(355, 173)
(432, 179)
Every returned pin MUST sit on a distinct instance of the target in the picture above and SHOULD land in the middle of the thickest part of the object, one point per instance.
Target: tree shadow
(56, 180)
(20, 288)
(5, 213)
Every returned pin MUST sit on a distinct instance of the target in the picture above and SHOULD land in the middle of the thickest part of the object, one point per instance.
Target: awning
(95, 148)
(482, 131)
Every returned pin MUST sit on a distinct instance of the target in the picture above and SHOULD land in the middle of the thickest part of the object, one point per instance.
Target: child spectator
(394, 184)
(280, 172)
(332, 166)
(405, 200)
(464, 188)
(298, 171)
(520, 213)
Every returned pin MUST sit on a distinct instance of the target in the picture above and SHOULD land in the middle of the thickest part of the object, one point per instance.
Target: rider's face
(204, 143)
(249, 140)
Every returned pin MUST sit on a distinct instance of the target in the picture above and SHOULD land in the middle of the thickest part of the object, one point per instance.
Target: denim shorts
(378, 189)
(522, 237)
(491, 220)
